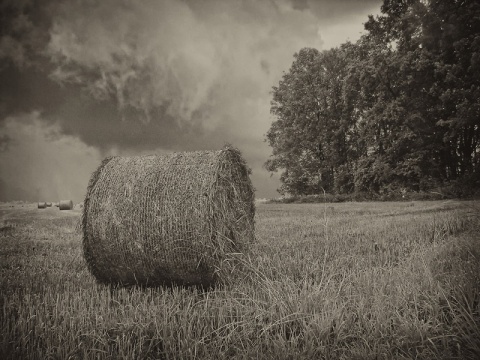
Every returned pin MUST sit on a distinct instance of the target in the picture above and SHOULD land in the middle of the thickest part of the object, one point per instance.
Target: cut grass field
(341, 281)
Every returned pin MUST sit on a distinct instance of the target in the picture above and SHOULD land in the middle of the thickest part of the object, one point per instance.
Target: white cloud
(43, 163)
(154, 53)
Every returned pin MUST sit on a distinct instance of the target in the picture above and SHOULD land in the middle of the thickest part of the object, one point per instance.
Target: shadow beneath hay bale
(167, 286)
(205, 279)
(118, 292)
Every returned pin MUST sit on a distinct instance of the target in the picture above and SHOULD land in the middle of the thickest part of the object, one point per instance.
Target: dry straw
(179, 218)
(65, 205)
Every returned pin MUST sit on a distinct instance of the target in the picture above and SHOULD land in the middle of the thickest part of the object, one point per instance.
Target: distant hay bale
(48, 204)
(179, 218)
(42, 205)
(65, 205)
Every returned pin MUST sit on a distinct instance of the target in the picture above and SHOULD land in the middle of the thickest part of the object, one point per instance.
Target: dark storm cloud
(5, 142)
(169, 54)
(24, 28)
(172, 74)
(126, 77)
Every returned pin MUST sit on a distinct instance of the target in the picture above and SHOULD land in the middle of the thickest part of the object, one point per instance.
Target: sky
(82, 80)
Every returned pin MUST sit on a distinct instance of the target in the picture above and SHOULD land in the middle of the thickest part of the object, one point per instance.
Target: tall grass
(348, 281)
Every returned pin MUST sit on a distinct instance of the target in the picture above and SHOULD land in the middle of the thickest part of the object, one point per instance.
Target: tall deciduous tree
(399, 108)
(315, 128)
(395, 75)
(436, 50)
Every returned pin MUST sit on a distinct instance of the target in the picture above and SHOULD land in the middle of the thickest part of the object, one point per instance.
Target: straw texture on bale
(168, 219)
(42, 205)
(65, 205)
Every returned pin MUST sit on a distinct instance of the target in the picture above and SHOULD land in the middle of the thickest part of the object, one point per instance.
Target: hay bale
(42, 205)
(48, 204)
(65, 205)
(175, 219)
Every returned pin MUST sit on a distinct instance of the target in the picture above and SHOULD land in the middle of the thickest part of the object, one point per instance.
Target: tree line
(398, 109)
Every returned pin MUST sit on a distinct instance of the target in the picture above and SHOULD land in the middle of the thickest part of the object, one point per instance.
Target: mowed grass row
(342, 281)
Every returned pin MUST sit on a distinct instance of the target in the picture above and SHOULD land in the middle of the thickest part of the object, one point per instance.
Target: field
(335, 281)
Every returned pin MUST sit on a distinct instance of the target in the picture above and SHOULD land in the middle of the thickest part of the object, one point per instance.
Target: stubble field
(335, 281)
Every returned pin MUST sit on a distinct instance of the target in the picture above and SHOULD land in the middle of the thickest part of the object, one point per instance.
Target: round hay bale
(175, 219)
(42, 205)
(65, 205)
(48, 204)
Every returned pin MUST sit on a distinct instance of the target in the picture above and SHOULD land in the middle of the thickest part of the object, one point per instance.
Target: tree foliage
(398, 109)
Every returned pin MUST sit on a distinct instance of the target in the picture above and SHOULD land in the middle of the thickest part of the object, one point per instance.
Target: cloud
(41, 164)
(183, 56)
(129, 77)
(197, 73)
(24, 31)
(5, 142)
